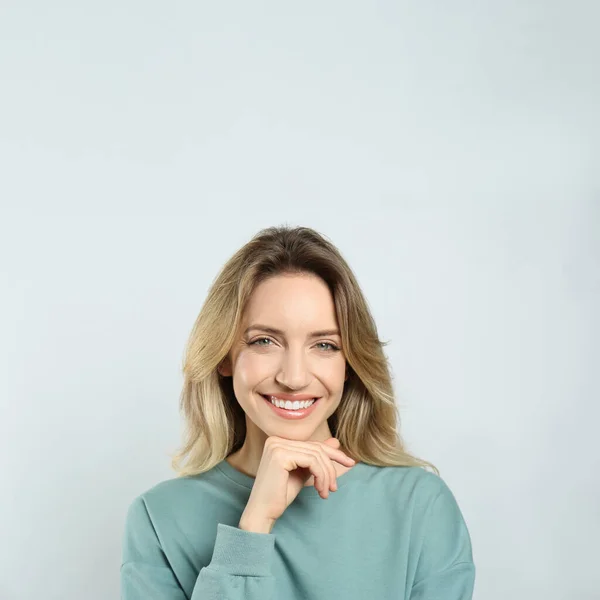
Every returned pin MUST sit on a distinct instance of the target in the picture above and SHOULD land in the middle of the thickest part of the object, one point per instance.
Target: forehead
(292, 303)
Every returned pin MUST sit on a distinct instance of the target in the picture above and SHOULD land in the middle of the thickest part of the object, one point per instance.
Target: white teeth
(289, 405)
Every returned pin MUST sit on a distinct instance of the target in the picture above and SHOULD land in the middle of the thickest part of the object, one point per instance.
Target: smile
(292, 410)
(289, 404)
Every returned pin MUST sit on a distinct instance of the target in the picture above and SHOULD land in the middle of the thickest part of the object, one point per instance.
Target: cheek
(330, 374)
(251, 368)
(332, 369)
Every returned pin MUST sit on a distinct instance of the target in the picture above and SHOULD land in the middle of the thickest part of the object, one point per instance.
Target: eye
(332, 347)
(255, 342)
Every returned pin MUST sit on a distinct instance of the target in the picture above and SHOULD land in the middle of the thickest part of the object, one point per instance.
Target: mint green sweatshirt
(388, 533)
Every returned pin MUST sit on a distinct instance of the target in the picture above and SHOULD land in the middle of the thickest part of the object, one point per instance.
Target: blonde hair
(367, 419)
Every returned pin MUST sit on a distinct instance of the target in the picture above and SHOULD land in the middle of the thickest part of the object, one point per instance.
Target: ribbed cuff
(241, 552)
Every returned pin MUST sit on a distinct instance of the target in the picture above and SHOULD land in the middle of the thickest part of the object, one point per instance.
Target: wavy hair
(367, 419)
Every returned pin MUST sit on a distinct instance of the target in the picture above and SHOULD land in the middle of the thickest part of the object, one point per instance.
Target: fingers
(313, 460)
(316, 456)
(333, 453)
(328, 482)
(294, 456)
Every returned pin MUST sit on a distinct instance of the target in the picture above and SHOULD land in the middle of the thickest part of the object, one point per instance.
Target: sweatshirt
(387, 533)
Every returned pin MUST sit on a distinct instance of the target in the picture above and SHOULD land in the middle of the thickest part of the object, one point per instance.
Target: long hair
(367, 419)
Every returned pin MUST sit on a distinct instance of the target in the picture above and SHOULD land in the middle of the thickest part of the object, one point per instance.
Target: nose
(293, 372)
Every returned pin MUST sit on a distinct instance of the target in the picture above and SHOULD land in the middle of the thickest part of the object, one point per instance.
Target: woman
(250, 516)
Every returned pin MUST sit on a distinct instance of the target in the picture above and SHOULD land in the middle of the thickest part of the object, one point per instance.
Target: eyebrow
(274, 331)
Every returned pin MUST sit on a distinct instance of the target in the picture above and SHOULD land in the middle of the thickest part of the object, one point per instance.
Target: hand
(285, 467)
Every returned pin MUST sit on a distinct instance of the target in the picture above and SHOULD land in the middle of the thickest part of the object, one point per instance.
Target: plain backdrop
(449, 149)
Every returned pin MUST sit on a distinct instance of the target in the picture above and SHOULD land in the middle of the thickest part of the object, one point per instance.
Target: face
(290, 360)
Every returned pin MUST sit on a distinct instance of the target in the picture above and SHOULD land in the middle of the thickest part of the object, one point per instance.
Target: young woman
(294, 482)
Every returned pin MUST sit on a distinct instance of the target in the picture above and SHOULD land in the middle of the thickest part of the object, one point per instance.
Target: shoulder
(171, 499)
(151, 503)
(423, 502)
(413, 493)
(414, 484)
(168, 490)
(441, 535)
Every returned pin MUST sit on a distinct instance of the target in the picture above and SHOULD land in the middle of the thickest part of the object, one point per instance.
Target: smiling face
(276, 353)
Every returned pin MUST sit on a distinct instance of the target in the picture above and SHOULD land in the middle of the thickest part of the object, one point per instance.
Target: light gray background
(449, 149)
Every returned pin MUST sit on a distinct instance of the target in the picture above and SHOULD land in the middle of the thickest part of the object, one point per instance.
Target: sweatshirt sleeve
(240, 568)
(445, 567)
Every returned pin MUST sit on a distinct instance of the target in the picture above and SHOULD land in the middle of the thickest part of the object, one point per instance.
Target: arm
(445, 568)
(240, 565)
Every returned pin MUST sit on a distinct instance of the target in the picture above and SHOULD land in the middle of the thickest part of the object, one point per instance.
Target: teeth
(289, 405)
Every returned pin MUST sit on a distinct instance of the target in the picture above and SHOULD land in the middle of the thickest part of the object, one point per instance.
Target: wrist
(256, 525)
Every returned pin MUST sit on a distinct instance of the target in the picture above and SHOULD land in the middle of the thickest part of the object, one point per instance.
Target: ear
(224, 367)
